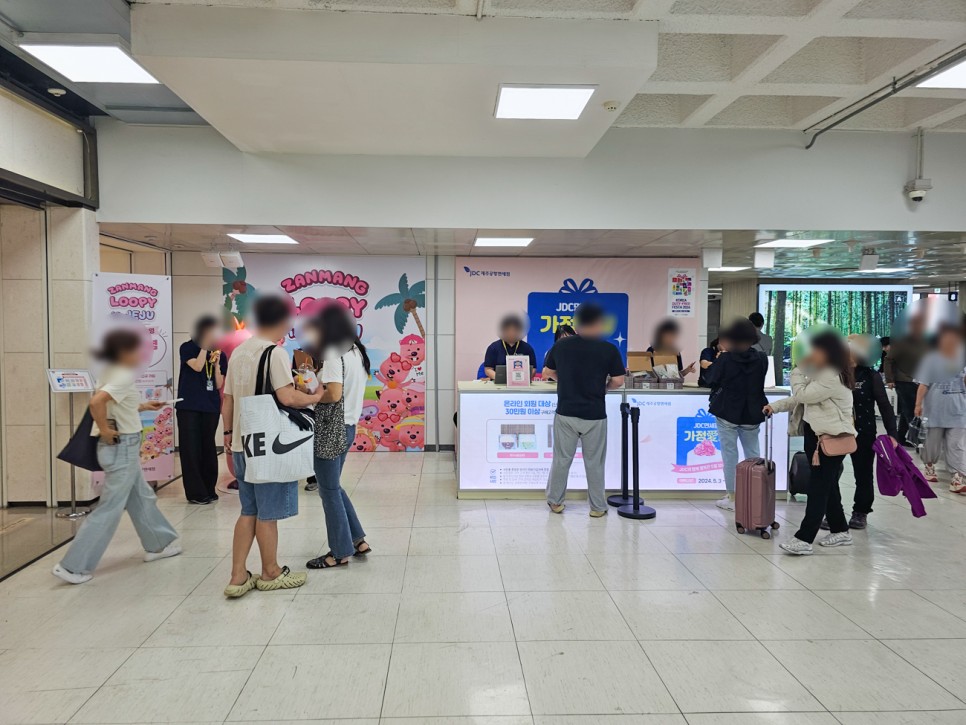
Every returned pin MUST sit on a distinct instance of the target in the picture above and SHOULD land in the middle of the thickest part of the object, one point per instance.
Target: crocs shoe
(286, 580)
(233, 591)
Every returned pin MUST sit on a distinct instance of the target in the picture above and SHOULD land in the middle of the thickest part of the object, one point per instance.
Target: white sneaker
(172, 549)
(842, 538)
(956, 485)
(796, 547)
(726, 502)
(69, 576)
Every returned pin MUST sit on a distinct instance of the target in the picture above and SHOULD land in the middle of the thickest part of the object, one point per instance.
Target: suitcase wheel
(765, 534)
(741, 529)
(775, 524)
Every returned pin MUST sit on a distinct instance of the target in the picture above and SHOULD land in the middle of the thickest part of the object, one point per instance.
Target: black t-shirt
(193, 385)
(497, 351)
(582, 366)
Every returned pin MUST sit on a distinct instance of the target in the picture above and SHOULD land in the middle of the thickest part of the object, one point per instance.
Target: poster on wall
(680, 292)
(506, 442)
(387, 298)
(146, 299)
(634, 292)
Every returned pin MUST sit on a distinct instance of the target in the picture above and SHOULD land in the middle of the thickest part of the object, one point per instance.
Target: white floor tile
(50, 706)
(33, 670)
(727, 677)
(548, 572)
(454, 617)
(883, 682)
(763, 718)
(447, 540)
(172, 685)
(302, 682)
(210, 621)
(455, 513)
(452, 574)
(701, 540)
(655, 572)
(944, 660)
(592, 678)
(338, 619)
(672, 615)
(572, 615)
(787, 614)
(432, 680)
(375, 574)
(737, 571)
(952, 600)
(948, 717)
(896, 614)
(609, 720)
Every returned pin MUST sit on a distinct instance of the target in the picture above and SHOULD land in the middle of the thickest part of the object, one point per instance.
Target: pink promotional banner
(637, 293)
(145, 299)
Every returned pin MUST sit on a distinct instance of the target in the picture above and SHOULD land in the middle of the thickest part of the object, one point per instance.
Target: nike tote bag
(277, 440)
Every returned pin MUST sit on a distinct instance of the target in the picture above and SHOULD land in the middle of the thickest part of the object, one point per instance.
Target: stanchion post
(623, 498)
(637, 509)
(73, 512)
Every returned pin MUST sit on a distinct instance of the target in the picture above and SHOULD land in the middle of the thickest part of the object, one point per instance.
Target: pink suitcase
(755, 491)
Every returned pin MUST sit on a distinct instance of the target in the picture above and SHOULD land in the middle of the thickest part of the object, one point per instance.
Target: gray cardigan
(826, 403)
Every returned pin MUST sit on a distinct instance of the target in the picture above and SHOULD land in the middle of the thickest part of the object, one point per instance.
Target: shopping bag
(81, 449)
(276, 440)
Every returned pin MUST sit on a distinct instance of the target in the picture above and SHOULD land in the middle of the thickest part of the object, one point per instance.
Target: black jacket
(737, 381)
(869, 392)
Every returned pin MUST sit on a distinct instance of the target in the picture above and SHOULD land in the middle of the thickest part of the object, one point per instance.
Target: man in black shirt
(511, 342)
(581, 365)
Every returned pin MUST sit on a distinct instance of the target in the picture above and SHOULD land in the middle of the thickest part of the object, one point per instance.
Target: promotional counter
(506, 441)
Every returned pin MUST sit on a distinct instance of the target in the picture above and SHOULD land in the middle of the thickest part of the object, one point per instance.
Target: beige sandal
(233, 591)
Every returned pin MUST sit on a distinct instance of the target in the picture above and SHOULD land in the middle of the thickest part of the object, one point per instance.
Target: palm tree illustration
(407, 300)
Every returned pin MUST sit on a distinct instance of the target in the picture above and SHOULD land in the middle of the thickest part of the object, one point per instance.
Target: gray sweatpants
(592, 435)
(953, 440)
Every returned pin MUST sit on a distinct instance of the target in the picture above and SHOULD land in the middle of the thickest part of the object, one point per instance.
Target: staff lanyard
(516, 347)
(209, 368)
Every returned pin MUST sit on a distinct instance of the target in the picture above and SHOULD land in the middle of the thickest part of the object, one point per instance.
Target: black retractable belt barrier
(623, 498)
(637, 509)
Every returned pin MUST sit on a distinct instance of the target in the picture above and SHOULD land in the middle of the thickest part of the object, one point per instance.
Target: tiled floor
(500, 613)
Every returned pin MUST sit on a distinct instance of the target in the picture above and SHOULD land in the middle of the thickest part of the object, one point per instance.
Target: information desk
(506, 440)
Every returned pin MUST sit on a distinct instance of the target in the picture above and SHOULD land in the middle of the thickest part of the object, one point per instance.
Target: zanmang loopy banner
(145, 299)
(387, 298)
(550, 310)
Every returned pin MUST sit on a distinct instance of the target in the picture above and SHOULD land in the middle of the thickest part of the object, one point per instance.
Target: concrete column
(73, 256)
(738, 299)
(962, 297)
(24, 396)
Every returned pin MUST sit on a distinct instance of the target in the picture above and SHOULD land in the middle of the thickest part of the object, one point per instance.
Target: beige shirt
(242, 371)
(118, 382)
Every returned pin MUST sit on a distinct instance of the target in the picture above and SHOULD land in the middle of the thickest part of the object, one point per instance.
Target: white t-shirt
(354, 387)
(242, 371)
(118, 382)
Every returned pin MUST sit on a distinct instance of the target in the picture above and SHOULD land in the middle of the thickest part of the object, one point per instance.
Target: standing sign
(387, 298)
(70, 381)
(145, 299)
(517, 371)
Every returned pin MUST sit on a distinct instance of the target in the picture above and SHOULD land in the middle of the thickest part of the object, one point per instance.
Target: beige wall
(738, 299)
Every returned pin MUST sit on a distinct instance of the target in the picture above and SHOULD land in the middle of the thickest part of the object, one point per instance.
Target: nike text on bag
(276, 439)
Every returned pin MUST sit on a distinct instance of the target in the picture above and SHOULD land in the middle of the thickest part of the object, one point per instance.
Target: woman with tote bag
(115, 407)
(345, 372)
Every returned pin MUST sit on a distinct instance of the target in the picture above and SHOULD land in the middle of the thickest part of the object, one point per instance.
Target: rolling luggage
(755, 491)
(799, 474)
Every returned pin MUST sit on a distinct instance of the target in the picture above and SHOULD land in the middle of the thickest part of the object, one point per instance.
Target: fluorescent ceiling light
(546, 103)
(503, 241)
(90, 63)
(727, 269)
(884, 270)
(954, 77)
(263, 238)
(792, 243)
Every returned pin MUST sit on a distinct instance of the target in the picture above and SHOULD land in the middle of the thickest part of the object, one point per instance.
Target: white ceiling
(719, 63)
(935, 257)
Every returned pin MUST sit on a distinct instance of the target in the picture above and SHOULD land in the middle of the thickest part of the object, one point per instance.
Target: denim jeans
(728, 435)
(124, 489)
(341, 523)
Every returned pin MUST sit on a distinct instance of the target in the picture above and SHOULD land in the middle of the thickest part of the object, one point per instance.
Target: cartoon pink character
(392, 401)
(368, 418)
(413, 349)
(415, 401)
(394, 371)
(390, 439)
(412, 435)
(386, 422)
(364, 442)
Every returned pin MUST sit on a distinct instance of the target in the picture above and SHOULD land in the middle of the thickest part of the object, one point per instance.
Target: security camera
(917, 188)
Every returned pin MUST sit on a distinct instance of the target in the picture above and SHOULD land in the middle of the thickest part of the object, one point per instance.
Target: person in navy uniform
(511, 342)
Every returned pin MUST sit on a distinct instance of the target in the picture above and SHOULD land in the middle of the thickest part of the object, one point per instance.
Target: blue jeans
(341, 523)
(265, 501)
(124, 490)
(728, 435)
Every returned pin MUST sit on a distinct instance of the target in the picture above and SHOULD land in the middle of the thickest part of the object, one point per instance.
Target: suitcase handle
(769, 437)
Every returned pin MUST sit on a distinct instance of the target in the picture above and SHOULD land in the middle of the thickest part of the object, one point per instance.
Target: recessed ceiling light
(954, 77)
(543, 103)
(503, 241)
(884, 270)
(263, 238)
(90, 63)
(727, 269)
(792, 243)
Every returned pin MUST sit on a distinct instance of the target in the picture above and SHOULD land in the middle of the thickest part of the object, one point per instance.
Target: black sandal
(363, 553)
(321, 563)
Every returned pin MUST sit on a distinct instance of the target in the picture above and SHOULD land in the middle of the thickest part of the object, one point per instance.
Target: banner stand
(636, 510)
(622, 498)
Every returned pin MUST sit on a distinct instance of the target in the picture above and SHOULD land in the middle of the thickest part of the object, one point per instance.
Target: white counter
(506, 440)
